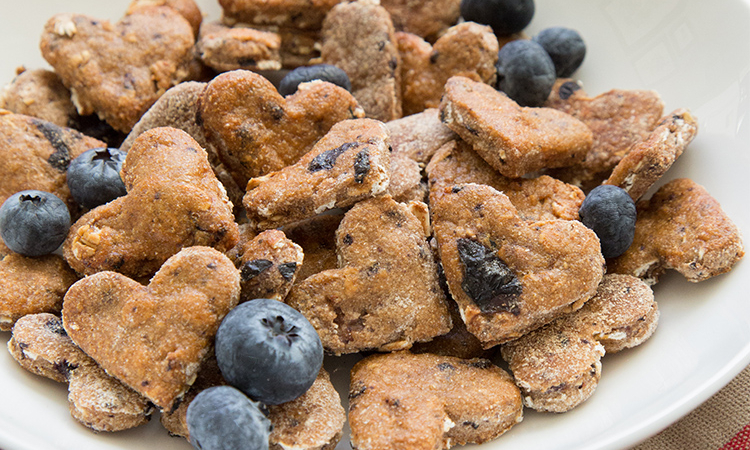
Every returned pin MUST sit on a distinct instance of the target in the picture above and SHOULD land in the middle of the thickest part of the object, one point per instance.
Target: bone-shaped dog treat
(559, 365)
(40, 345)
(153, 338)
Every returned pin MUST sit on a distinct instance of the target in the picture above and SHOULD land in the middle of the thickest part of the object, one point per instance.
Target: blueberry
(34, 223)
(326, 72)
(223, 418)
(94, 177)
(566, 48)
(504, 16)
(610, 212)
(525, 72)
(268, 350)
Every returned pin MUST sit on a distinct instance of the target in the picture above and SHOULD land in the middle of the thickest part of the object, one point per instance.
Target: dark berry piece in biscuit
(525, 72)
(566, 48)
(504, 16)
(610, 212)
(223, 418)
(324, 72)
(269, 351)
(94, 177)
(34, 223)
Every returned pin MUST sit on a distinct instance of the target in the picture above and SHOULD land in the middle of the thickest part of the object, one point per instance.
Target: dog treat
(226, 48)
(467, 49)
(301, 14)
(268, 266)
(681, 227)
(119, 70)
(359, 38)
(317, 237)
(173, 201)
(40, 345)
(257, 131)
(419, 136)
(186, 8)
(514, 140)
(153, 338)
(298, 47)
(402, 400)
(558, 366)
(350, 163)
(510, 276)
(36, 155)
(427, 18)
(385, 294)
(40, 93)
(539, 198)
(31, 285)
(649, 159)
(618, 119)
(405, 182)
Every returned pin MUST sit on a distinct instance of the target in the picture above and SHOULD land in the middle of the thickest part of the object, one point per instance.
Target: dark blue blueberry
(269, 351)
(94, 177)
(566, 48)
(223, 418)
(325, 72)
(34, 223)
(504, 16)
(610, 212)
(525, 72)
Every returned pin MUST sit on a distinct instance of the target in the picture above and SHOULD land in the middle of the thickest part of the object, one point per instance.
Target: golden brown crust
(467, 49)
(510, 276)
(426, 18)
(40, 93)
(154, 338)
(173, 201)
(118, 71)
(419, 136)
(539, 198)
(268, 266)
(514, 140)
(405, 183)
(301, 14)
(681, 227)
(226, 48)
(187, 9)
(385, 294)
(406, 401)
(359, 38)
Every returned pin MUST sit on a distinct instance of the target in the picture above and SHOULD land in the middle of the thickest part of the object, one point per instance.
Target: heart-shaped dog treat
(118, 71)
(153, 338)
(510, 276)
(257, 131)
(174, 201)
(467, 49)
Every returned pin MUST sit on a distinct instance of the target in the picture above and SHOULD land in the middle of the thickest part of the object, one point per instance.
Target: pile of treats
(423, 217)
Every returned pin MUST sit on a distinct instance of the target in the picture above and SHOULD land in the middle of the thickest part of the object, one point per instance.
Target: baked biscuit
(427, 18)
(257, 131)
(301, 14)
(510, 276)
(31, 285)
(187, 9)
(406, 401)
(405, 182)
(385, 293)
(649, 159)
(173, 201)
(36, 155)
(226, 48)
(681, 227)
(467, 49)
(119, 70)
(617, 118)
(154, 338)
(419, 136)
(359, 38)
(40, 345)
(268, 266)
(558, 366)
(350, 163)
(40, 93)
(540, 198)
(515, 140)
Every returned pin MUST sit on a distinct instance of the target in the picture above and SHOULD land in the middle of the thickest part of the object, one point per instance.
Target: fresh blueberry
(268, 350)
(223, 418)
(94, 177)
(610, 212)
(566, 48)
(34, 223)
(525, 72)
(504, 16)
(325, 72)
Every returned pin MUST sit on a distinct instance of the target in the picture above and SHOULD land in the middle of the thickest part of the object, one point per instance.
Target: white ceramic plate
(696, 54)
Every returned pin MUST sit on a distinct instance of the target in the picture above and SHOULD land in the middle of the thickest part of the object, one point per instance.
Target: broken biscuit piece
(40, 93)
(681, 227)
(558, 366)
(515, 140)
(268, 266)
(419, 136)
(224, 48)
